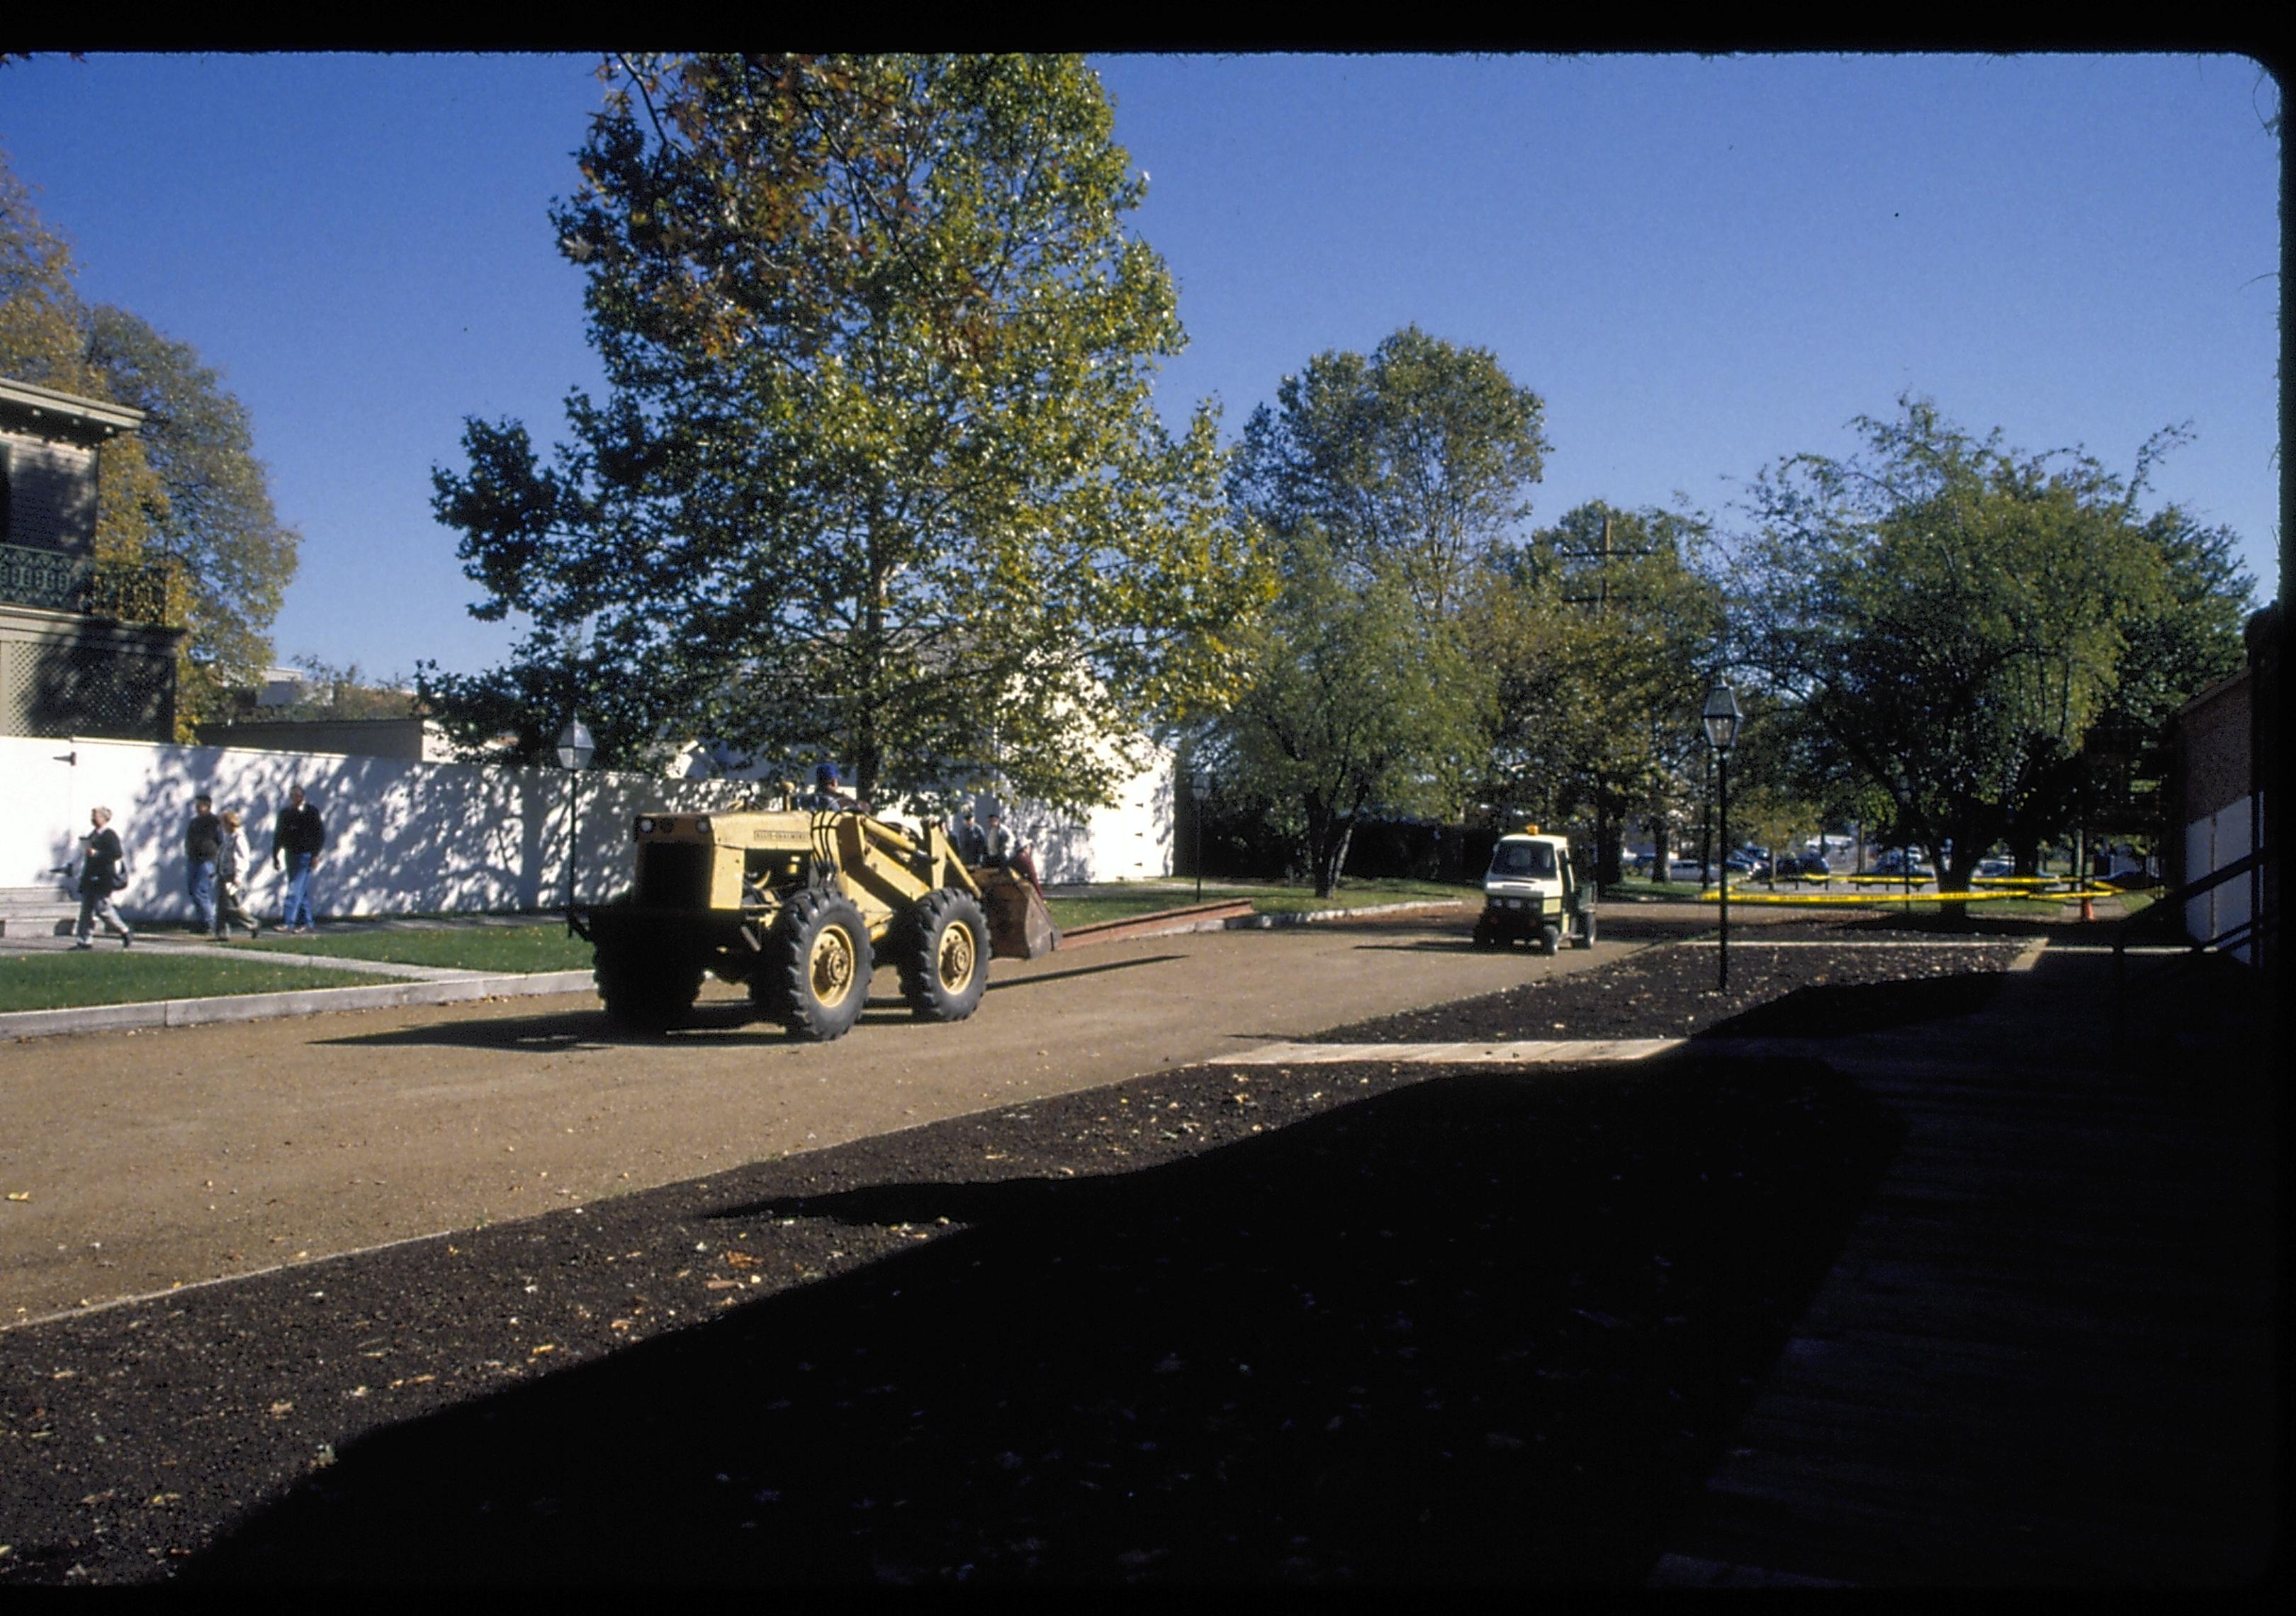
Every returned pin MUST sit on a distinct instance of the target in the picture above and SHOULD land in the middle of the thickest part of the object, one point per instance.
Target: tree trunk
(1607, 837)
(1330, 851)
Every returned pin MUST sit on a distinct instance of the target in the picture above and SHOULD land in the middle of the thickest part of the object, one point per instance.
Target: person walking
(297, 839)
(202, 841)
(232, 865)
(102, 871)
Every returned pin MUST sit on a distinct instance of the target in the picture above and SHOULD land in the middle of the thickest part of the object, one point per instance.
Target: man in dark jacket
(298, 838)
(972, 841)
(103, 862)
(202, 841)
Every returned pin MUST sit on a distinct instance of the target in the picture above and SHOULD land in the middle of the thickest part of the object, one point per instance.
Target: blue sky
(1701, 265)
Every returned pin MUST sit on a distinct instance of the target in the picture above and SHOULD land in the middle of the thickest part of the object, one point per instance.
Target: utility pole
(1603, 553)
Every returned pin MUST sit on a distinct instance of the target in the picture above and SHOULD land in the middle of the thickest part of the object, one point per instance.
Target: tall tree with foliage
(218, 527)
(186, 492)
(1385, 483)
(1601, 635)
(879, 476)
(1354, 703)
(1953, 615)
(1415, 462)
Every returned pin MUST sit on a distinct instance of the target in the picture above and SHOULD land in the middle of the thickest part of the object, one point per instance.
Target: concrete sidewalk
(404, 984)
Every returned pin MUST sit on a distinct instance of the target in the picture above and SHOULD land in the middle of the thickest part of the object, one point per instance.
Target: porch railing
(132, 592)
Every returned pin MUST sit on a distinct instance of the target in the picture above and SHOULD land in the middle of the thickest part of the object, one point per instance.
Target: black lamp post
(1722, 719)
(1199, 786)
(575, 749)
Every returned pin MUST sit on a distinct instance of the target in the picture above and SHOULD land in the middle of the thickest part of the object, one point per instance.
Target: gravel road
(1354, 1324)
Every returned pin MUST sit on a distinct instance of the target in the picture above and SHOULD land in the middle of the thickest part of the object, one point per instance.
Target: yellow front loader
(801, 905)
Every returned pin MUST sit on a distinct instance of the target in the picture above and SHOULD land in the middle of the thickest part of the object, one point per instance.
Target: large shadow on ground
(1479, 1329)
(1842, 1009)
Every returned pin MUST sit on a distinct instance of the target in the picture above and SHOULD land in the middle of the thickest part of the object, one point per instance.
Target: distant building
(77, 656)
(413, 740)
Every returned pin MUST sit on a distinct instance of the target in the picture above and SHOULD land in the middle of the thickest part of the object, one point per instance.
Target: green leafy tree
(1386, 482)
(1416, 461)
(217, 528)
(1354, 704)
(1600, 635)
(185, 496)
(1952, 615)
(879, 476)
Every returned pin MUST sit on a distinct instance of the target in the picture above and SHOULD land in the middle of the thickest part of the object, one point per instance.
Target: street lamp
(575, 749)
(1722, 719)
(1199, 786)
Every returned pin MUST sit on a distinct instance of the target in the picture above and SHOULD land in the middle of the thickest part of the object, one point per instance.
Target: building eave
(67, 415)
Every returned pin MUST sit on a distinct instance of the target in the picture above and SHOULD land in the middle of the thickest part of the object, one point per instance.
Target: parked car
(1806, 865)
(1995, 869)
(1899, 861)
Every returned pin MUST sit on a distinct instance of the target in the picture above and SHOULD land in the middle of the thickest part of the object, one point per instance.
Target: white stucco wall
(1129, 841)
(413, 838)
(403, 837)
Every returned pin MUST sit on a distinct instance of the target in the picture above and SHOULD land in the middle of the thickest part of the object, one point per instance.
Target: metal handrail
(2262, 922)
(2169, 902)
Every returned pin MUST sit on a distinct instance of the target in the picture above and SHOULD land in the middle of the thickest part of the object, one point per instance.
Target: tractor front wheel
(945, 957)
(820, 964)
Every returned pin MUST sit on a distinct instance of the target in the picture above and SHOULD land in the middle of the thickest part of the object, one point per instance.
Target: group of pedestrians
(218, 866)
(995, 847)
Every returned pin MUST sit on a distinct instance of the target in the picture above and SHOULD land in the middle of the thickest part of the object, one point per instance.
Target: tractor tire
(646, 989)
(817, 970)
(769, 987)
(1550, 939)
(1585, 937)
(945, 956)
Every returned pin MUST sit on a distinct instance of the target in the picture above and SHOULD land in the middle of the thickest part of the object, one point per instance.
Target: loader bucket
(1019, 926)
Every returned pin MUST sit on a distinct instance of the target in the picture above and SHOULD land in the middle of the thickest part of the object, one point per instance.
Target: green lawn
(503, 949)
(110, 975)
(2015, 908)
(1116, 904)
(1642, 886)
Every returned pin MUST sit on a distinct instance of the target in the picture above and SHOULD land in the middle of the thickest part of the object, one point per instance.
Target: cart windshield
(1524, 859)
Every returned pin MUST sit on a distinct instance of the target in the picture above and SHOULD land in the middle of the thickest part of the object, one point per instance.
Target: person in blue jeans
(202, 841)
(298, 838)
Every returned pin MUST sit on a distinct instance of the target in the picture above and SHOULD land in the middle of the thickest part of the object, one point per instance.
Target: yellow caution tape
(1868, 899)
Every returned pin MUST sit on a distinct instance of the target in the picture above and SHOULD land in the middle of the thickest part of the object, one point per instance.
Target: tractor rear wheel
(945, 956)
(1585, 937)
(820, 963)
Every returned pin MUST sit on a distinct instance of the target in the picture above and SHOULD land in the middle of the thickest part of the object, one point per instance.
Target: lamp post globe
(575, 750)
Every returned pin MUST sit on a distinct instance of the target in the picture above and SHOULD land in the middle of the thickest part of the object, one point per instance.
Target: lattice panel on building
(50, 687)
